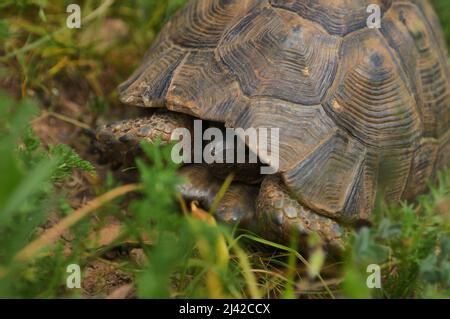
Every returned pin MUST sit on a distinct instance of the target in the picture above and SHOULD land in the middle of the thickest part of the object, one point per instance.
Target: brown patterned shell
(362, 112)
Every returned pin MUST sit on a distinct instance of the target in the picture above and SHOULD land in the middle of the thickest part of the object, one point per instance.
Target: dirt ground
(68, 101)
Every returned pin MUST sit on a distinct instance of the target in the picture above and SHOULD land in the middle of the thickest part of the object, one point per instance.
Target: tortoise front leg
(131, 132)
(119, 142)
(279, 215)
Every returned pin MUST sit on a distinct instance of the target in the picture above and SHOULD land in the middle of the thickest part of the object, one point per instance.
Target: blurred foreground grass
(142, 244)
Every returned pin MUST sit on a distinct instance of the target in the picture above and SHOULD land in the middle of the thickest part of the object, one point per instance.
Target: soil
(70, 97)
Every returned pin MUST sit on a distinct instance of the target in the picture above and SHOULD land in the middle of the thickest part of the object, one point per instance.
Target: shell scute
(361, 113)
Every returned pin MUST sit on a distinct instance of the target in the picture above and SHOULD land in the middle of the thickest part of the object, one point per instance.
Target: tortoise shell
(362, 112)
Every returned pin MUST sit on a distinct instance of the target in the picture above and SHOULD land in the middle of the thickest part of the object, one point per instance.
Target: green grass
(443, 10)
(44, 65)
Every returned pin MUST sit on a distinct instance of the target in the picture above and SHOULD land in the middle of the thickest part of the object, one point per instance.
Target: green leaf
(4, 29)
(67, 160)
(316, 262)
(354, 285)
(32, 184)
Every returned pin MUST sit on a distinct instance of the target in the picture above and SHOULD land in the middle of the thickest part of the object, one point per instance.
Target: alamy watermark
(73, 280)
(374, 19)
(229, 149)
(73, 20)
(231, 146)
(374, 279)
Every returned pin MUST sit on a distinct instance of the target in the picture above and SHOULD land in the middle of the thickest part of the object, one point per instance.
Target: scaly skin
(273, 213)
(279, 215)
(131, 132)
(118, 142)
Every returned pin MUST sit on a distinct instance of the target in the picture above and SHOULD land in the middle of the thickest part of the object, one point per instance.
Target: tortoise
(363, 113)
